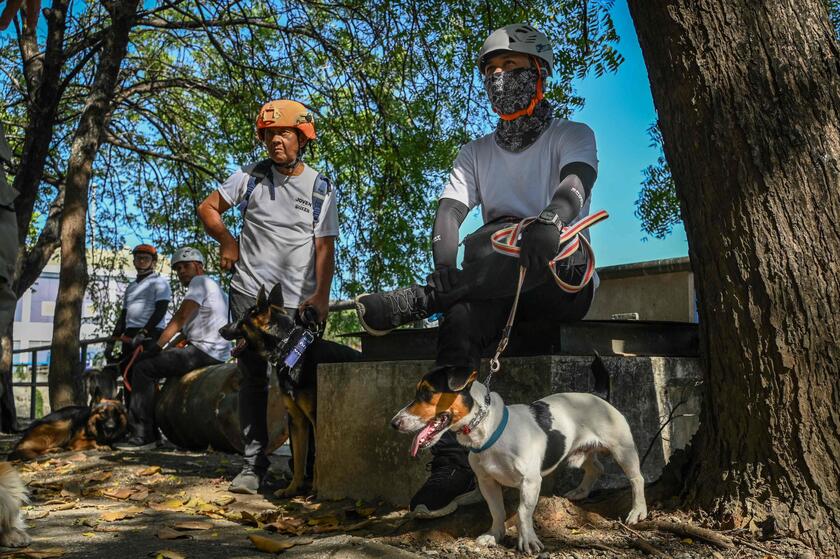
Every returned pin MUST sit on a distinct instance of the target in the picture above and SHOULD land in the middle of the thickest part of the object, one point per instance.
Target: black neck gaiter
(510, 92)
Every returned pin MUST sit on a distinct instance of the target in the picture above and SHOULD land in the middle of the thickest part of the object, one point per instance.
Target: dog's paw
(636, 515)
(291, 490)
(577, 494)
(487, 540)
(529, 543)
(15, 538)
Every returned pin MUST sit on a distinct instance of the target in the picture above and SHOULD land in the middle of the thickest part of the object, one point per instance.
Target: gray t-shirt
(277, 242)
(140, 298)
(202, 330)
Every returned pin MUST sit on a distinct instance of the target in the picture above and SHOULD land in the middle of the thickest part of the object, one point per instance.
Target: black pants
(476, 310)
(145, 374)
(253, 392)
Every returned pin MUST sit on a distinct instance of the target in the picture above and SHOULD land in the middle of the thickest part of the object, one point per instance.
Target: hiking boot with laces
(449, 485)
(380, 313)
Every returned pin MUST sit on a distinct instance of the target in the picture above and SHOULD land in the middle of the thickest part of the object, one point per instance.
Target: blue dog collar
(496, 434)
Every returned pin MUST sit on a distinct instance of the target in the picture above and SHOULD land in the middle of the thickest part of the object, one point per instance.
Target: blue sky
(619, 108)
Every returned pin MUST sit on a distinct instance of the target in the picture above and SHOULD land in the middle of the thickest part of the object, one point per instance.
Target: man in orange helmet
(289, 227)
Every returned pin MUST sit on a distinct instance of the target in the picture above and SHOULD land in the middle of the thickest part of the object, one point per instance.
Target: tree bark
(65, 365)
(748, 96)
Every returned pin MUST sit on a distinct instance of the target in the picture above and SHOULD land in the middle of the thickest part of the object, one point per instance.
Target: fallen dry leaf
(170, 534)
(150, 471)
(170, 505)
(223, 500)
(167, 554)
(88, 534)
(116, 515)
(248, 519)
(120, 493)
(270, 545)
(36, 514)
(101, 476)
(78, 457)
(139, 494)
(66, 506)
(193, 525)
(323, 520)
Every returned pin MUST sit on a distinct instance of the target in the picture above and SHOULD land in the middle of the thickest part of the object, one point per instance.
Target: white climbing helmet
(517, 37)
(187, 254)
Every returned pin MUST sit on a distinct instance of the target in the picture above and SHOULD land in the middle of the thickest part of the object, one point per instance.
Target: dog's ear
(459, 378)
(97, 396)
(262, 299)
(276, 296)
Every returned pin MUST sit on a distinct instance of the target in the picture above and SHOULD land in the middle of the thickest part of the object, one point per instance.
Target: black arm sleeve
(119, 327)
(576, 181)
(157, 315)
(449, 217)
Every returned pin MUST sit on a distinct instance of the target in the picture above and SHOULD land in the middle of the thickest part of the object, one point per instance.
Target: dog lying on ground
(265, 330)
(517, 445)
(74, 428)
(12, 495)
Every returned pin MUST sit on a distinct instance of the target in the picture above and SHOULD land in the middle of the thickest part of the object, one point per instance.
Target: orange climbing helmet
(145, 249)
(288, 114)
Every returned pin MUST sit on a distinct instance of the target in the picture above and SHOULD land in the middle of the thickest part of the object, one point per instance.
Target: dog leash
(506, 241)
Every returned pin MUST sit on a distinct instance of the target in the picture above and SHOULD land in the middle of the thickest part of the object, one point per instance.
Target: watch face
(548, 217)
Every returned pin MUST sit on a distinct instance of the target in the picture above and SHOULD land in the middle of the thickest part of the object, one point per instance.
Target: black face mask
(513, 91)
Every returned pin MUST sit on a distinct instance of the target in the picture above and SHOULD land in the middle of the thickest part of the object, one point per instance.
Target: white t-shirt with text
(277, 242)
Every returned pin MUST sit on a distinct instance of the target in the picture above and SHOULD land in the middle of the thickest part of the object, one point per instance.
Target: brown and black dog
(265, 329)
(74, 428)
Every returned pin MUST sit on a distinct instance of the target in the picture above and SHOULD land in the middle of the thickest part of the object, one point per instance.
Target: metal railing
(33, 366)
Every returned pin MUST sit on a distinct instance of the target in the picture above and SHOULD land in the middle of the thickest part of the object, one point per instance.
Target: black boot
(380, 313)
(451, 483)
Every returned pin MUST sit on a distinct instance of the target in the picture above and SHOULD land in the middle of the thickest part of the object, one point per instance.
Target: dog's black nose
(396, 423)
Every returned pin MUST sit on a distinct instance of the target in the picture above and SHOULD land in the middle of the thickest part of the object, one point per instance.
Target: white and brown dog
(517, 445)
(12, 495)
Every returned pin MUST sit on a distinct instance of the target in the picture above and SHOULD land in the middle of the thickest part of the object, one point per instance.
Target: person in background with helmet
(290, 223)
(202, 312)
(144, 304)
(532, 165)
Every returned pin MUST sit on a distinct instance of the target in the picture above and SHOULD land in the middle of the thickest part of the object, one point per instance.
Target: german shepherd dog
(263, 329)
(74, 428)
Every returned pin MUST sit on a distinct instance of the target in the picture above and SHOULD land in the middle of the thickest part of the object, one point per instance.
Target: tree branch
(114, 141)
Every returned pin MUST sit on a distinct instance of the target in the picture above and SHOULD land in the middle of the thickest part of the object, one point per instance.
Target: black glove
(139, 338)
(540, 243)
(444, 278)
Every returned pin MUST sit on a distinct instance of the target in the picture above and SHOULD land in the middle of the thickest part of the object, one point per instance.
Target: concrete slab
(361, 457)
(608, 337)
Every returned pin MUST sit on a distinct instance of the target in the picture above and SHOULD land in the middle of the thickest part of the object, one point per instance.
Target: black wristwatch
(550, 218)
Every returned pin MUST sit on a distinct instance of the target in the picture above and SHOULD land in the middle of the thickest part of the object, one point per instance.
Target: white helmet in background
(187, 254)
(517, 37)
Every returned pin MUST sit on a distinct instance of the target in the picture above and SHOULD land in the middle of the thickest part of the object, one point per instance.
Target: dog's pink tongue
(420, 436)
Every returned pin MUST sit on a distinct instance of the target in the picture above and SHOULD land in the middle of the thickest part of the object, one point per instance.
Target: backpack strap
(320, 190)
(257, 174)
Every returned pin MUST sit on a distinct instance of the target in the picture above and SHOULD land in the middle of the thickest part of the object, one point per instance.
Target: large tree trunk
(8, 410)
(748, 96)
(65, 364)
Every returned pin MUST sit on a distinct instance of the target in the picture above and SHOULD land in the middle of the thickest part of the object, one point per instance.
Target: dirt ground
(172, 503)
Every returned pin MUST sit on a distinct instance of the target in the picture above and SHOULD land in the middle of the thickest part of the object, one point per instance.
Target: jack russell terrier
(517, 445)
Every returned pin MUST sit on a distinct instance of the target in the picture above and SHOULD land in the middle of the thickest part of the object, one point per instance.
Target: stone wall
(360, 456)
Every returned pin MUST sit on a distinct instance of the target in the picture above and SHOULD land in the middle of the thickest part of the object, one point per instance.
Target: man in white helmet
(202, 312)
(532, 165)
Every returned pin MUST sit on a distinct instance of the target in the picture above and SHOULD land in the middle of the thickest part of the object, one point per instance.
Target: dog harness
(496, 434)
(261, 170)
